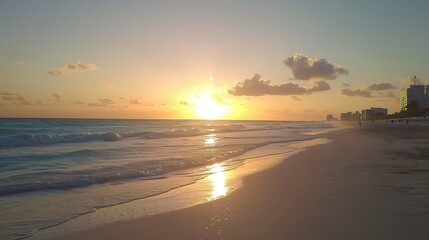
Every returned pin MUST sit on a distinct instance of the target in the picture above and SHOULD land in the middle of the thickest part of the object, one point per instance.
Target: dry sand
(369, 183)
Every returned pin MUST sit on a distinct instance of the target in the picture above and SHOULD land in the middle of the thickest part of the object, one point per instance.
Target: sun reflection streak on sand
(218, 180)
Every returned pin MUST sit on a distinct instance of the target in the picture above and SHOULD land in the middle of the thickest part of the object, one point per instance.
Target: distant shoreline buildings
(373, 113)
(414, 97)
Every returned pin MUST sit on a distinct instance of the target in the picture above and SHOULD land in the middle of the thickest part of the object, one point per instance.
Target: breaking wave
(28, 140)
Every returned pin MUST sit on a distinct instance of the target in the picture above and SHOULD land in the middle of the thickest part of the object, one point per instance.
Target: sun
(208, 106)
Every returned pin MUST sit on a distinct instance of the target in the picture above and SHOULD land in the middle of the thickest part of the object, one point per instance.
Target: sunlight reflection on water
(210, 140)
(218, 180)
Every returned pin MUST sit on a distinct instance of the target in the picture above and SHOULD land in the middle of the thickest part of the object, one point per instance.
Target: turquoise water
(53, 170)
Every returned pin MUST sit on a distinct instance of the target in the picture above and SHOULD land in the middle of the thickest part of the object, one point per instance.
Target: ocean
(56, 170)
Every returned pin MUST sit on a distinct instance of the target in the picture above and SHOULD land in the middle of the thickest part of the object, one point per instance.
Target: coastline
(348, 189)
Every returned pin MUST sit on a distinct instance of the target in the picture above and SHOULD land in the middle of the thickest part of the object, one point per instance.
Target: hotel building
(416, 93)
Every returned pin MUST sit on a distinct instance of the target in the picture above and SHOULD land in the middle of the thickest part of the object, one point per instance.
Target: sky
(277, 60)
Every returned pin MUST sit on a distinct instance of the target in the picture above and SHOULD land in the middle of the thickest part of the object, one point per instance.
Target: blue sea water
(53, 170)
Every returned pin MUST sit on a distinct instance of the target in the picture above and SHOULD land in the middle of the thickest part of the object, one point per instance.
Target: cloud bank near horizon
(13, 98)
(381, 88)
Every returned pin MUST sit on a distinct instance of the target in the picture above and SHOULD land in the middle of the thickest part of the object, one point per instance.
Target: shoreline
(209, 188)
(315, 189)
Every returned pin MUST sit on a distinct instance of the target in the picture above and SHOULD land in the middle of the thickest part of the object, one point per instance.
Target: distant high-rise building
(414, 92)
(348, 116)
(329, 117)
(426, 105)
(374, 114)
(380, 111)
(368, 114)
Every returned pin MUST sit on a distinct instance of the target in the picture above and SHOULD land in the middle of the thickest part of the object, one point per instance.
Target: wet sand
(369, 183)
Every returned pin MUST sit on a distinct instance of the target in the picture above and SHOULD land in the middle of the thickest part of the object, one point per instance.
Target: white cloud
(56, 72)
(106, 101)
(56, 96)
(20, 63)
(102, 102)
(355, 93)
(388, 94)
(255, 86)
(79, 66)
(14, 98)
(367, 92)
(319, 86)
(135, 101)
(306, 68)
(73, 67)
(78, 103)
(380, 87)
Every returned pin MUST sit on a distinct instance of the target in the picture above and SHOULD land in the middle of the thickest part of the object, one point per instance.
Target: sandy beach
(209, 120)
(369, 183)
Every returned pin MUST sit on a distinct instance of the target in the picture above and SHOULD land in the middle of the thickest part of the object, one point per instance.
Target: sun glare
(207, 107)
(218, 179)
